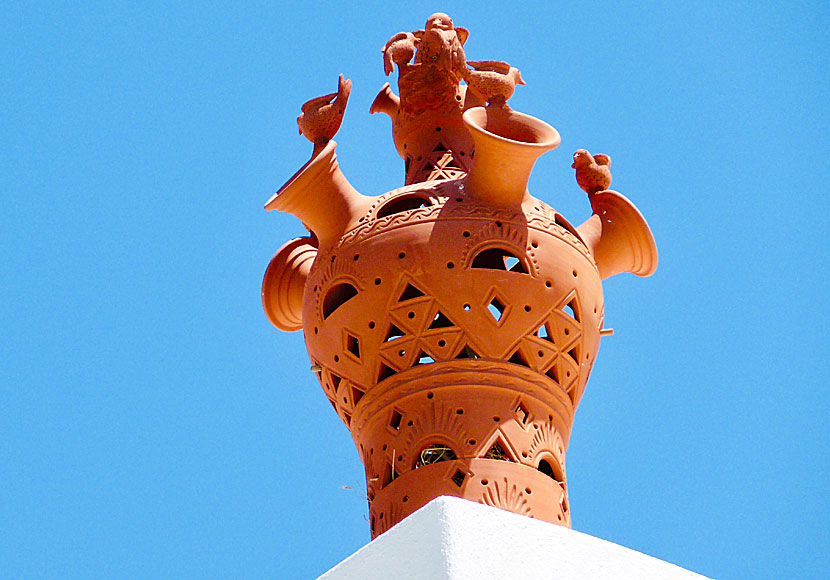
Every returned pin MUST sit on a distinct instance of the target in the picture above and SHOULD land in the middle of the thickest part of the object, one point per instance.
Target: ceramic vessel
(453, 322)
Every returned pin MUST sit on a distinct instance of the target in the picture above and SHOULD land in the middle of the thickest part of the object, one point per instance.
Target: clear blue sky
(154, 425)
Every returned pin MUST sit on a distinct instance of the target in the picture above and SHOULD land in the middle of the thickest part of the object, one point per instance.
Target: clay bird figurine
(593, 172)
(400, 49)
(493, 80)
(321, 117)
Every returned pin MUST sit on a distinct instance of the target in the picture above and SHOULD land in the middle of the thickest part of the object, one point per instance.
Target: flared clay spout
(322, 198)
(618, 236)
(507, 145)
(284, 283)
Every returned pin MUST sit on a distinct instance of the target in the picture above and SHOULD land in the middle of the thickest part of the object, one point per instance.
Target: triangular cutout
(572, 309)
(544, 333)
(467, 352)
(393, 333)
(565, 329)
(335, 381)
(572, 394)
(539, 352)
(423, 359)
(442, 344)
(440, 147)
(518, 359)
(440, 321)
(553, 373)
(401, 354)
(568, 371)
(497, 452)
(413, 316)
(391, 351)
(385, 372)
(448, 163)
(409, 293)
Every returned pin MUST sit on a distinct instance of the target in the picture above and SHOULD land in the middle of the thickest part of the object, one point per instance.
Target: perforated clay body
(453, 322)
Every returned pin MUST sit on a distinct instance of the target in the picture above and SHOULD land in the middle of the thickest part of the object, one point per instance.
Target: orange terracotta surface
(453, 322)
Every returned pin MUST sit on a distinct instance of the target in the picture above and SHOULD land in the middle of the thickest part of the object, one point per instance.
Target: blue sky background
(154, 425)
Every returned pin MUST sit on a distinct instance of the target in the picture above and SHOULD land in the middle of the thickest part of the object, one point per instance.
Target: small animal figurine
(400, 49)
(493, 80)
(321, 117)
(441, 44)
(593, 172)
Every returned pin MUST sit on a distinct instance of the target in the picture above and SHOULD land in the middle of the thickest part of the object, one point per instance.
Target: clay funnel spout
(507, 145)
(618, 236)
(321, 196)
(386, 102)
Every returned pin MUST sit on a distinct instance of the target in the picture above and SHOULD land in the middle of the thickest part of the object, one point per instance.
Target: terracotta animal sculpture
(593, 172)
(493, 80)
(400, 49)
(321, 117)
(441, 44)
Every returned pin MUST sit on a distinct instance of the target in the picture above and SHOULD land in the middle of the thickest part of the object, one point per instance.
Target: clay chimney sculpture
(453, 322)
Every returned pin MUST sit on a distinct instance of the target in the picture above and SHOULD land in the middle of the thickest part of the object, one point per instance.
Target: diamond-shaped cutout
(522, 414)
(395, 420)
(352, 344)
(497, 309)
